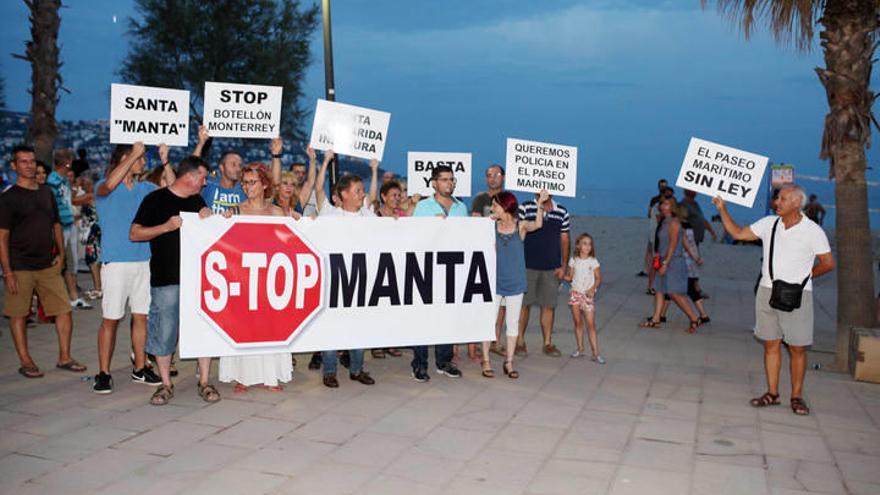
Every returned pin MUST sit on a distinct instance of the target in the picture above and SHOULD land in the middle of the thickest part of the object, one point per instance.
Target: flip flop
(71, 365)
(30, 372)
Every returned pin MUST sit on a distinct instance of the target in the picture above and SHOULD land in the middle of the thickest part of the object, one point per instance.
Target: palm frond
(790, 21)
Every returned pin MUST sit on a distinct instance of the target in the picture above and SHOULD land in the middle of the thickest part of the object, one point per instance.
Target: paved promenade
(668, 414)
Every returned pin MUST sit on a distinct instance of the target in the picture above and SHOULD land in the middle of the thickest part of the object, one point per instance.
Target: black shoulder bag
(784, 296)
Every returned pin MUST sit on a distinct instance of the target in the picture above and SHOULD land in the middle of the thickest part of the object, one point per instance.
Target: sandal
(377, 353)
(650, 323)
(692, 328)
(799, 407)
(71, 365)
(651, 292)
(30, 372)
(393, 352)
(509, 371)
(765, 400)
(488, 372)
(239, 388)
(208, 393)
(162, 395)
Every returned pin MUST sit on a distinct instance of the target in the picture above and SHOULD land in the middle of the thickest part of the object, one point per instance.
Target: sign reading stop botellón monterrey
(260, 284)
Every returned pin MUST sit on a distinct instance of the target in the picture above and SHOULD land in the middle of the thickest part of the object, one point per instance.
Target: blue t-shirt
(115, 214)
(544, 246)
(430, 208)
(61, 190)
(220, 199)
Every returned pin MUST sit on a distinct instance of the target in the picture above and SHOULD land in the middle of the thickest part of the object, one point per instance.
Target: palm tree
(849, 35)
(42, 53)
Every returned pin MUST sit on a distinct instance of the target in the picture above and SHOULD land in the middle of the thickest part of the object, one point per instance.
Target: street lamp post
(329, 85)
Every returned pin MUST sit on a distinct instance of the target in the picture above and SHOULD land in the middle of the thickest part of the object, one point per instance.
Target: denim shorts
(164, 320)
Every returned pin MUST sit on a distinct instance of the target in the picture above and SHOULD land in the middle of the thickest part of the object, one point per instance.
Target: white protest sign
(533, 166)
(151, 115)
(717, 170)
(350, 130)
(420, 165)
(242, 110)
(256, 284)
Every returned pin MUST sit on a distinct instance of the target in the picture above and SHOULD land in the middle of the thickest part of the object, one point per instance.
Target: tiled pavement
(668, 414)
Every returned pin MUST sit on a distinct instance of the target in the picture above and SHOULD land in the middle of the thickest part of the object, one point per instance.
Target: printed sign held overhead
(150, 115)
(242, 110)
(420, 165)
(533, 166)
(350, 130)
(717, 170)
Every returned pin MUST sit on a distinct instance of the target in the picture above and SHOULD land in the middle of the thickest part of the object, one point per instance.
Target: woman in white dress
(266, 370)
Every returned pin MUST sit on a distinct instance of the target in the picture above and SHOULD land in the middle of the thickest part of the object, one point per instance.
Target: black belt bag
(784, 296)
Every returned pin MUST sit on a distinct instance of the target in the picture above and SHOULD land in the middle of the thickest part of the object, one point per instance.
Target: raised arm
(320, 195)
(276, 147)
(374, 181)
(306, 190)
(738, 233)
(526, 227)
(118, 174)
(203, 139)
(167, 170)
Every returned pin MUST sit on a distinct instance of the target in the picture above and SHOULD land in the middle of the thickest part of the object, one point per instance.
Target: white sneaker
(598, 359)
(577, 354)
(79, 303)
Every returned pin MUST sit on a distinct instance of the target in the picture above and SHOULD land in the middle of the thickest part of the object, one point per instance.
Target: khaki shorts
(795, 328)
(49, 286)
(543, 288)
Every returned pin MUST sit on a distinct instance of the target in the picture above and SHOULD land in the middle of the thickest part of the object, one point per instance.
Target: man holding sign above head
(547, 251)
(441, 204)
(350, 191)
(223, 193)
(784, 302)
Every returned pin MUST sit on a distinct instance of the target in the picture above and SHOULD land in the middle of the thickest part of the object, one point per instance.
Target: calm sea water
(632, 202)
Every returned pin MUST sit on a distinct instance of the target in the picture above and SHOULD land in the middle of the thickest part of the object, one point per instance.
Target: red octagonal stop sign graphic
(260, 283)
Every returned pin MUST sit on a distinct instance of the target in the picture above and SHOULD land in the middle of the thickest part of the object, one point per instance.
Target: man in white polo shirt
(796, 244)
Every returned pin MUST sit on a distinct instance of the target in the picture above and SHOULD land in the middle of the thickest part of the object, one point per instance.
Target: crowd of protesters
(128, 225)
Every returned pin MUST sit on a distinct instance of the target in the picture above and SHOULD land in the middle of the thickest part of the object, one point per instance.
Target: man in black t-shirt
(30, 230)
(158, 221)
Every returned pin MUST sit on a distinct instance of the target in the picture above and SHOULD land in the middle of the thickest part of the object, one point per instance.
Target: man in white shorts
(125, 269)
(796, 242)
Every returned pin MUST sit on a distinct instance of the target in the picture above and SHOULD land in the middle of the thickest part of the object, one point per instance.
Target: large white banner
(254, 285)
(420, 165)
(717, 170)
(533, 166)
(350, 130)
(151, 115)
(242, 110)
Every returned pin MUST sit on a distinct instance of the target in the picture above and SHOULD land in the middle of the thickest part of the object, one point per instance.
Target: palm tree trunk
(42, 53)
(848, 44)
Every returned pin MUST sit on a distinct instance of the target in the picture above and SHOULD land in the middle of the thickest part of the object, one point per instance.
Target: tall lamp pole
(329, 85)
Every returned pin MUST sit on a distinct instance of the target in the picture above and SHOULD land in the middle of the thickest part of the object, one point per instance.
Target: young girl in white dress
(584, 274)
